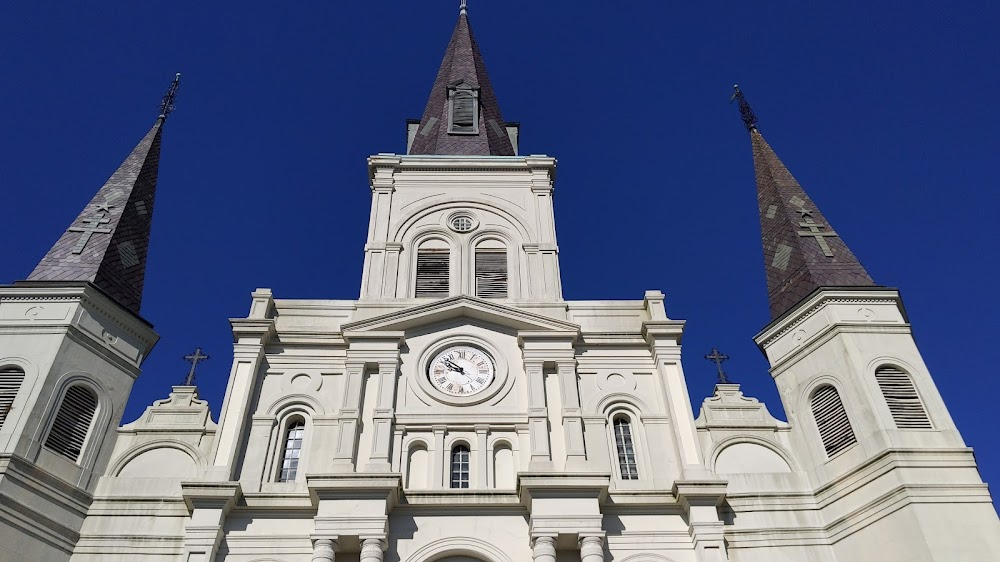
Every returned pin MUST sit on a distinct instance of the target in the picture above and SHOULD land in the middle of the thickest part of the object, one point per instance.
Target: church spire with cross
(802, 250)
(462, 115)
(107, 243)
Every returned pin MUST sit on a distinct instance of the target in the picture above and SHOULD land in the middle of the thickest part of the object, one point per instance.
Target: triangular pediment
(457, 307)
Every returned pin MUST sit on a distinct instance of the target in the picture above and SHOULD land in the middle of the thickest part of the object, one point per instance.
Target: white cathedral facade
(461, 410)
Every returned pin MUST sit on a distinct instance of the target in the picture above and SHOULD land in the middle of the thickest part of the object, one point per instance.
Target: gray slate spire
(462, 64)
(107, 243)
(802, 251)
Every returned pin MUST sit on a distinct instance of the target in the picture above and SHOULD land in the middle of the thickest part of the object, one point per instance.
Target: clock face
(461, 371)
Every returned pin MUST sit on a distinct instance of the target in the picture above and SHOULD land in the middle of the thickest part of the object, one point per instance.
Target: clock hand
(454, 367)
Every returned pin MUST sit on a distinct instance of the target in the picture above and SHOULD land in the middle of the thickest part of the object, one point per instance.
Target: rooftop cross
(749, 119)
(193, 358)
(718, 358)
(462, 8)
(167, 104)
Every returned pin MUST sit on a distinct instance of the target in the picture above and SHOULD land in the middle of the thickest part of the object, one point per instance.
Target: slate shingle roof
(802, 251)
(462, 61)
(113, 255)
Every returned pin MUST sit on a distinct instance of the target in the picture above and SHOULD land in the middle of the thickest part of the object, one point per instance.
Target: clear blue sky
(887, 113)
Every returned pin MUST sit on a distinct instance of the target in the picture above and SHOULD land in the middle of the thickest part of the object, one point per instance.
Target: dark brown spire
(462, 68)
(107, 243)
(802, 251)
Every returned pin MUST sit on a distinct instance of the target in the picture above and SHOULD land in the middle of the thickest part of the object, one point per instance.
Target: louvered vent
(491, 274)
(904, 404)
(432, 273)
(10, 382)
(831, 420)
(463, 115)
(69, 431)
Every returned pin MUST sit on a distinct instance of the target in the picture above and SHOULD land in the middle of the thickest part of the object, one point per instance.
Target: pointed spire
(107, 243)
(802, 251)
(462, 69)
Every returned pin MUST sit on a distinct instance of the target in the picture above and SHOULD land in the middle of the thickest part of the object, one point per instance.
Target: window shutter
(904, 404)
(831, 420)
(69, 430)
(463, 111)
(433, 269)
(10, 382)
(491, 274)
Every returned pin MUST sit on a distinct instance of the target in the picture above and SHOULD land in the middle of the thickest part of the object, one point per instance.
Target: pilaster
(572, 414)
(354, 508)
(208, 504)
(538, 417)
(378, 460)
(349, 419)
(664, 337)
(251, 335)
(482, 457)
(701, 500)
(539, 348)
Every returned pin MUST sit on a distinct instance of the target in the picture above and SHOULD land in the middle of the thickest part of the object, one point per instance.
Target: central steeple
(462, 116)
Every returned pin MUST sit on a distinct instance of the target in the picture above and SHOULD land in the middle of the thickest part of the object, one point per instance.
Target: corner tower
(71, 344)
(868, 424)
(461, 213)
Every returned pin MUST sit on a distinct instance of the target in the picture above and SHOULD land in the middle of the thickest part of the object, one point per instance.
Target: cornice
(819, 299)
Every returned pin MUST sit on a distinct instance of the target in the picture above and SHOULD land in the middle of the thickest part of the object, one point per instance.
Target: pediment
(456, 307)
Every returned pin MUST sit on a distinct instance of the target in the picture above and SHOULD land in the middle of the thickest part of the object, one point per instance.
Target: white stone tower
(71, 343)
(867, 422)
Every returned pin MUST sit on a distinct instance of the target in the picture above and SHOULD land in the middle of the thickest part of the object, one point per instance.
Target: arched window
(831, 420)
(433, 269)
(491, 270)
(10, 382)
(460, 466)
(293, 450)
(626, 449)
(73, 419)
(901, 397)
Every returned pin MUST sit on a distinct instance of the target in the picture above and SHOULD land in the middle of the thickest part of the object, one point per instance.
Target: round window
(462, 223)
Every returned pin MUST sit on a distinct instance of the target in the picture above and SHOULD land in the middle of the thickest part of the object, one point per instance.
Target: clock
(461, 371)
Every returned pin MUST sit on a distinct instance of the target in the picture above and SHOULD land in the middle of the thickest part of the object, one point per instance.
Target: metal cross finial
(167, 105)
(463, 8)
(749, 119)
(718, 358)
(193, 358)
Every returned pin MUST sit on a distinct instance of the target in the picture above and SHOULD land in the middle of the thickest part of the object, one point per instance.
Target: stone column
(371, 550)
(592, 548)
(324, 549)
(349, 420)
(543, 549)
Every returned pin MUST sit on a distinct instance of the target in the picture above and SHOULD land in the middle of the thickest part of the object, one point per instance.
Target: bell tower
(461, 213)
(71, 345)
(866, 415)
